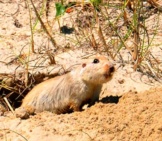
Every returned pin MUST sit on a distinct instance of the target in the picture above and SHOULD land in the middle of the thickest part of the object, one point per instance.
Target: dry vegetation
(38, 36)
(55, 27)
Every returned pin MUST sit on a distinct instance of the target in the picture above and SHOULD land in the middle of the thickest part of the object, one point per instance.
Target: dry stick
(51, 57)
(100, 34)
(8, 88)
(156, 4)
(32, 47)
(136, 56)
(62, 2)
(47, 13)
(31, 30)
(14, 132)
(8, 104)
(26, 81)
(44, 27)
(149, 66)
(92, 40)
(136, 32)
(100, 31)
(136, 43)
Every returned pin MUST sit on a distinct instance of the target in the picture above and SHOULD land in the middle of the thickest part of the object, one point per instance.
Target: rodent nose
(112, 69)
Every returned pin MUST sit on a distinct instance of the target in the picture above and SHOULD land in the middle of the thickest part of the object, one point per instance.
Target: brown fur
(71, 91)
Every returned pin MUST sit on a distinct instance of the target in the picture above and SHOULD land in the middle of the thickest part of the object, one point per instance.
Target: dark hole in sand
(110, 99)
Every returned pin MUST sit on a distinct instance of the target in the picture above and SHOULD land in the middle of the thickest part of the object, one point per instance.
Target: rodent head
(99, 70)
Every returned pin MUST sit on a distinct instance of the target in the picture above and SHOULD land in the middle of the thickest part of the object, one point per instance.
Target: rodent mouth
(108, 75)
(110, 72)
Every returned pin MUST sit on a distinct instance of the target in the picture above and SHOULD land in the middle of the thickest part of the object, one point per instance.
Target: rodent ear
(84, 64)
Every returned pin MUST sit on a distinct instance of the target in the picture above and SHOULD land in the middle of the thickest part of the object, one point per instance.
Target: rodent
(69, 92)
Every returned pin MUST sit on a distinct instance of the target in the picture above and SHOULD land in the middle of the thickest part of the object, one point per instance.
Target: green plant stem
(31, 29)
(44, 27)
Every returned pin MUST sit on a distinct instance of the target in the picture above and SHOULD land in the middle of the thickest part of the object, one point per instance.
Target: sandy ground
(130, 106)
(135, 116)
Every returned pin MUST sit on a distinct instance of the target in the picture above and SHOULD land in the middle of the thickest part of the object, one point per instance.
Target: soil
(134, 116)
(130, 105)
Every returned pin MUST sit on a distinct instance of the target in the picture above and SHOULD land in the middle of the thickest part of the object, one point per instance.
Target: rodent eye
(95, 61)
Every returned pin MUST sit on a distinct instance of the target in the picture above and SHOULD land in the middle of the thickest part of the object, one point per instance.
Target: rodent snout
(109, 69)
(112, 69)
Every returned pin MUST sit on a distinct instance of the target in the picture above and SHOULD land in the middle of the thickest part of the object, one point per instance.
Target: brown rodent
(71, 91)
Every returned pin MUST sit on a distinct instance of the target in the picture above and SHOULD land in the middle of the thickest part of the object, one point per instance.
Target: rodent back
(56, 93)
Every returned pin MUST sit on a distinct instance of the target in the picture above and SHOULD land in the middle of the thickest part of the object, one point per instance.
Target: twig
(149, 66)
(44, 27)
(8, 104)
(15, 133)
(32, 39)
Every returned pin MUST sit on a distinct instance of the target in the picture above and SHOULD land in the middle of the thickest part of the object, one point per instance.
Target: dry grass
(107, 29)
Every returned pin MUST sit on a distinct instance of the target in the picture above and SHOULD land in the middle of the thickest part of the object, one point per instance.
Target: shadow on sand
(110, 99)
